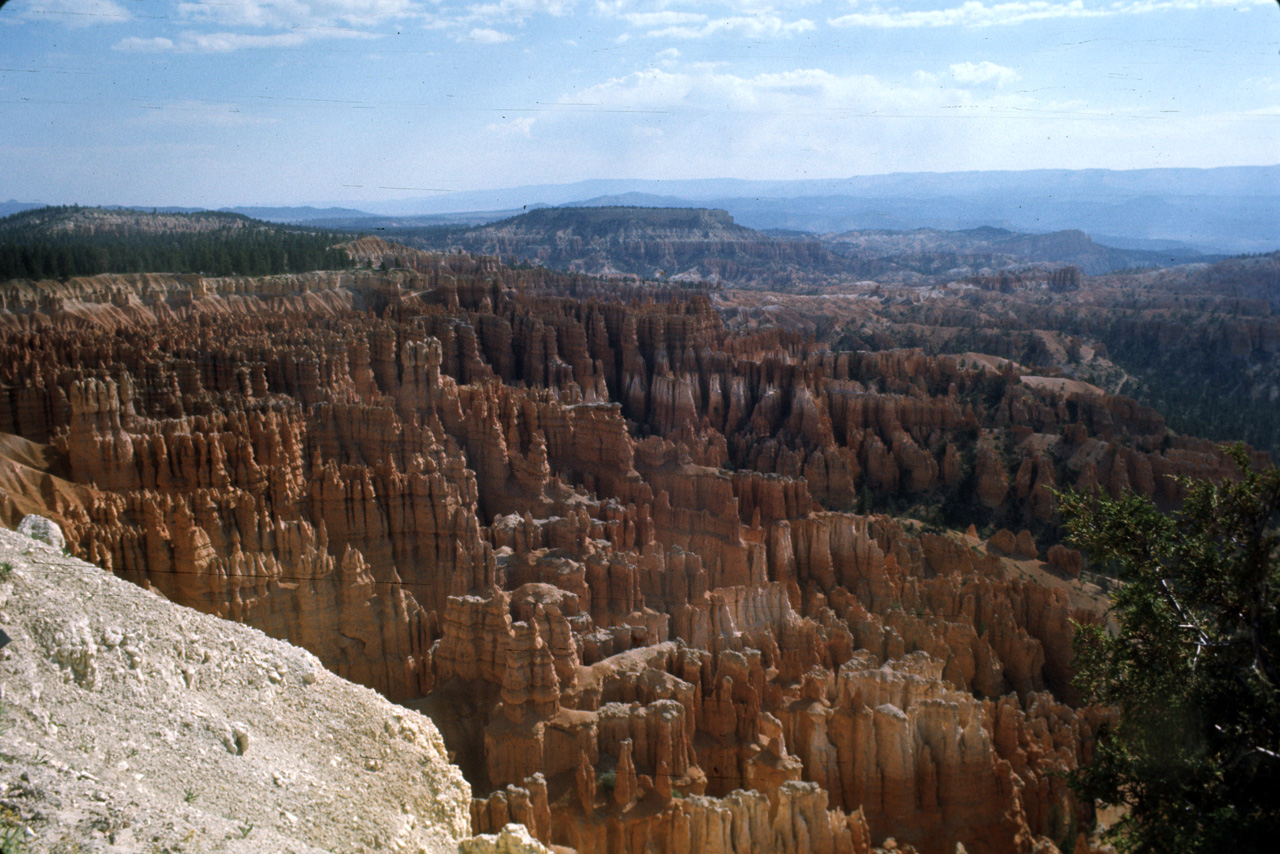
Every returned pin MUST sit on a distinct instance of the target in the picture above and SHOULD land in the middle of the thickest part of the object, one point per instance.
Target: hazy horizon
(682, 191)
(363, 102)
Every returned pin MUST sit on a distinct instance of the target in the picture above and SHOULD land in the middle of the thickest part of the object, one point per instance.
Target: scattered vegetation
(1193, 666)
(222, 244)
(13, 836)
(13, 839)
(1202, 389)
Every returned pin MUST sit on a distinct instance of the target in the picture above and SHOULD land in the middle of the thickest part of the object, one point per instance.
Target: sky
(273, 102)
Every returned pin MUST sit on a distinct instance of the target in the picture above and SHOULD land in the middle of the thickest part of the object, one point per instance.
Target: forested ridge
(57, 243)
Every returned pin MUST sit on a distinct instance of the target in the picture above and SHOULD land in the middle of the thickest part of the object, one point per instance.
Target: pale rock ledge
(130, 724)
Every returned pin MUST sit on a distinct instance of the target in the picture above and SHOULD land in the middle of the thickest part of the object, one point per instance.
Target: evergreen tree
(1193, 664)
(28, 250)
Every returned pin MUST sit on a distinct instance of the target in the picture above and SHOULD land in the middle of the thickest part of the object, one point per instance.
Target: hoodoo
(624, 552)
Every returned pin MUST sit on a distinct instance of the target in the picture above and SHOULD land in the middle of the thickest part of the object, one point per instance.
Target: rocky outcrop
(135, 721)
(605, 541)
(512, 839)
(630, 243)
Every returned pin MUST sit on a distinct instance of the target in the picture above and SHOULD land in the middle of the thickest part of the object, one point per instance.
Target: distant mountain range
(1224, 210)
(673, 243)
(1227, 210)
(931, 250)
(706, 244)
(12, 207)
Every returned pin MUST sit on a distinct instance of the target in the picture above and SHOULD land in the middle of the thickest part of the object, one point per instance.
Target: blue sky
(317, 101)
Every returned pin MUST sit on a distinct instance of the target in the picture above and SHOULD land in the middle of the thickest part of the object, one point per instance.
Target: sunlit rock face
(606, 542)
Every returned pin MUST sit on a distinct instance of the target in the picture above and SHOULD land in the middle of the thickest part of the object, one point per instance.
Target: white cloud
(666, 18)
(620, 8)
(73, 13)
(807, 92)
(690, 121)
(971, 73)
(296, 13)
(814, 99)
(196, 42)
(483, 35)
(757, 26)
(976, 13)
(320, 15)
(517, 11)
(970, 14)
(280, 24)
(661, 18)
(227, 42)
(640, 89)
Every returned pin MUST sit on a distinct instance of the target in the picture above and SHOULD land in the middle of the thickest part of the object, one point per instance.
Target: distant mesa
(680, 243)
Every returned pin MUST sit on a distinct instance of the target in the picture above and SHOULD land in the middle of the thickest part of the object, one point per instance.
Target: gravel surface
(129, 724)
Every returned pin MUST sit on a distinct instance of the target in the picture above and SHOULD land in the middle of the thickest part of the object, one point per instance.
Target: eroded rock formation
(604, 541)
